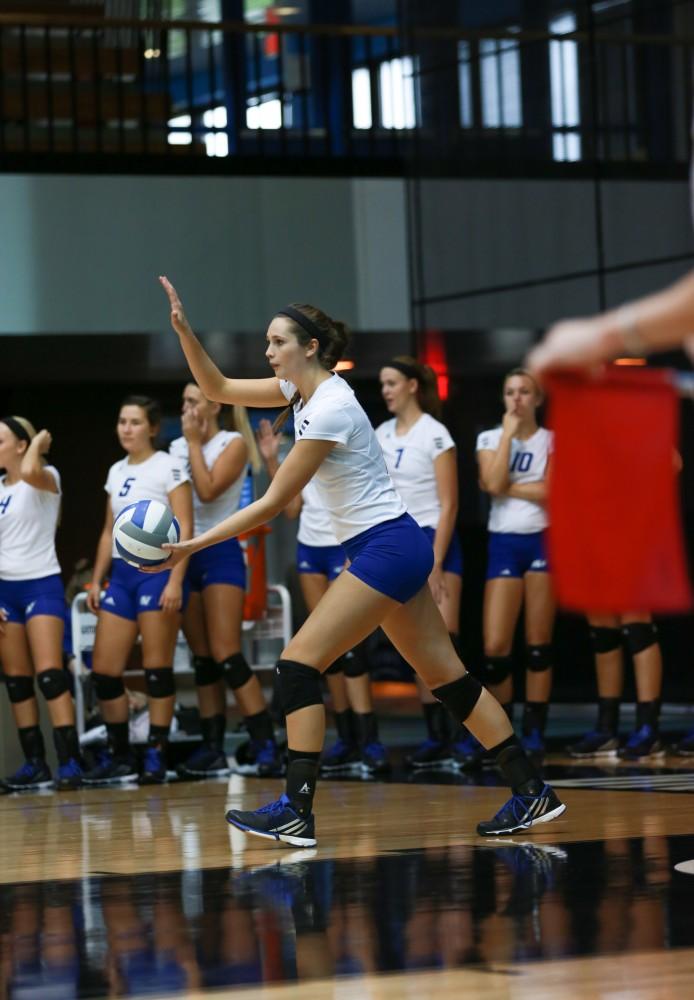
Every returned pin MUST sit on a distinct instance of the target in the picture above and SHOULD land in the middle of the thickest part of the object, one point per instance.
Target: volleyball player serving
(391, 559)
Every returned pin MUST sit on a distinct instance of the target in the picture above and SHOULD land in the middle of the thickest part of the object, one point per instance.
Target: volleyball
(141, 529)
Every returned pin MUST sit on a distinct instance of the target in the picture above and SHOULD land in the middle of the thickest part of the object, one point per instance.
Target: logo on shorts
(338, 569)
(538, 564)
(109, 600)
(505, 572)
(304, 565)
(146, 599)
(30, 607)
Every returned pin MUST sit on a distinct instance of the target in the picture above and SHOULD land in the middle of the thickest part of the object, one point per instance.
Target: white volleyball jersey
(28, 522)
(352, 483)
(315, 527)
(207, 514)
(528, 464)
(410, 460)
(152, 479)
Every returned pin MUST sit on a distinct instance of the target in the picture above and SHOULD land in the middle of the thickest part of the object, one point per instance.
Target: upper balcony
(81, 93)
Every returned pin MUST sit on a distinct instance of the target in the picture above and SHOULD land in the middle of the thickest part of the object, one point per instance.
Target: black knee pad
(354, 664)
(159, 682)
(207, 671)
(236, 671)
(52, 683)
(335, 668)
(604, 640)
(539, 658)
(639, 636)
(497, 669)
(460, 696)
(108, 688)
(19, 689)
(299, 685)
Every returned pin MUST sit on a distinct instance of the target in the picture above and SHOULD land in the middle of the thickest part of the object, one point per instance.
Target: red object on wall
(255, 601)
(433, 353)
(615, 537)
(271, 43)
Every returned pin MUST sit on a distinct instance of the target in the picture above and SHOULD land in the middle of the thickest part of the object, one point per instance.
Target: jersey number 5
(125, 488)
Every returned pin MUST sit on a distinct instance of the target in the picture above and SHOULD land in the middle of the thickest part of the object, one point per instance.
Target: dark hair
(151, 407)
(427, 385)
(335, 337)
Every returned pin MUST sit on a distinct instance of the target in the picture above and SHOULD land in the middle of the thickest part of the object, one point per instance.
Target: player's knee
(604, 639)
(52, 683)
(19, 689)
(639, 636)
(108, 688)
(236, 671)
(299, 685)
(206, 671)
(159, 682)
(539, 657)
(354, 664)
(335, 668)
(460, 696)
(497, 669)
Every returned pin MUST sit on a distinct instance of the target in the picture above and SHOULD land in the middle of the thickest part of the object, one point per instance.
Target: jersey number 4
(522, 461)
(4, 504)
(125, 488)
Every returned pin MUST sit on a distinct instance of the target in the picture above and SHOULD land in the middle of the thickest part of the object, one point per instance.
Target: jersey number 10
(522, 461)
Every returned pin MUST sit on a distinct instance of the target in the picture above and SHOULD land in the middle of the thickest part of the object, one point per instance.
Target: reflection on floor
(302, 918)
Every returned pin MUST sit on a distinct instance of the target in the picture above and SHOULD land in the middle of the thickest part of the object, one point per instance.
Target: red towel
(615, 537)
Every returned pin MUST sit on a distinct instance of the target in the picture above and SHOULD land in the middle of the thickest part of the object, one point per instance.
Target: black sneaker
(523, 811)
(341, 757)
(276, 821)
(205, 762)
(153, 767)
(685, 747)
(261, 758)
(470, 755)
(69, 775)
(375, 759)
(34, 773)
(643, 744)
(110, 770)
(431, 755)
(594, 745)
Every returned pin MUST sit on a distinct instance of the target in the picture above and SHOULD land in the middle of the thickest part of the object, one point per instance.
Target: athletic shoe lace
(274, 808)
(517, 806)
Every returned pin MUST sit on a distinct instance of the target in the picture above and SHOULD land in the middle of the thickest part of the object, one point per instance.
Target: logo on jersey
(438, 442)
(304, 424)
(176, 474)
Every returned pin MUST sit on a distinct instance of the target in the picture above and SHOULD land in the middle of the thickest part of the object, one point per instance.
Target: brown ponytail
(427, 386)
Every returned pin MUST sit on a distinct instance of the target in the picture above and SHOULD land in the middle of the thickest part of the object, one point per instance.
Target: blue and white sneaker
(374, 758)
(594, 746)
(643, 744)
(110, 770)
(341, 757)
(69, 775)
(276, 821)
(469, 754)
(523, 811)
(431, 755)
(34, 773)
(153, 767)
(257, 757)
(204, 762)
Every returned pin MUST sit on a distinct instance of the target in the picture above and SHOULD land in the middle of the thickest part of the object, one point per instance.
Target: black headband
(409, 371)
(17, 429)
(308, 325)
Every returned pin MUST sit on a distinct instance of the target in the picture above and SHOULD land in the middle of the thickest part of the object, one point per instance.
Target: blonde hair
(27, 425)
(527, 374)
(242, 424)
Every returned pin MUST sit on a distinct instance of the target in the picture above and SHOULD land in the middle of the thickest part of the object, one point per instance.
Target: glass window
(500, 79)
(563, 70)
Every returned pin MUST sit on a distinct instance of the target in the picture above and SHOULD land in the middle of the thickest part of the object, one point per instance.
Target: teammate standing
(387, 581)
(514, 464)
(32, 605)
(135, 602)
(421, 460)
(216, 461)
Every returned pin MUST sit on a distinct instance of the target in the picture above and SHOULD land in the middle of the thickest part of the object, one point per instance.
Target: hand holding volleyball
(178, 317)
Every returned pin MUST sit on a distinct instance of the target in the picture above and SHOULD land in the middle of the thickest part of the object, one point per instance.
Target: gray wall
(81, 254)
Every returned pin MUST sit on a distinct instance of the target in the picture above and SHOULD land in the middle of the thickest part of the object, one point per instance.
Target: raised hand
(178, 317)
(43, 442)
(193, 429)
(268, 441)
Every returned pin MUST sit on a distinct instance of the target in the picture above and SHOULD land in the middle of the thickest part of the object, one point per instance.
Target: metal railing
(221, 95)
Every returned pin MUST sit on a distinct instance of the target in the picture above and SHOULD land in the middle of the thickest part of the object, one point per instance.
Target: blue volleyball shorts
(220, 563)
(326, 560)
(513, 555)
(394, 557)
(24, 599)
(453, 563)
(131, 593)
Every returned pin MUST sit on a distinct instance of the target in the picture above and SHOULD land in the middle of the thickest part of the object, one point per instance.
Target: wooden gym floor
(148, 892)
